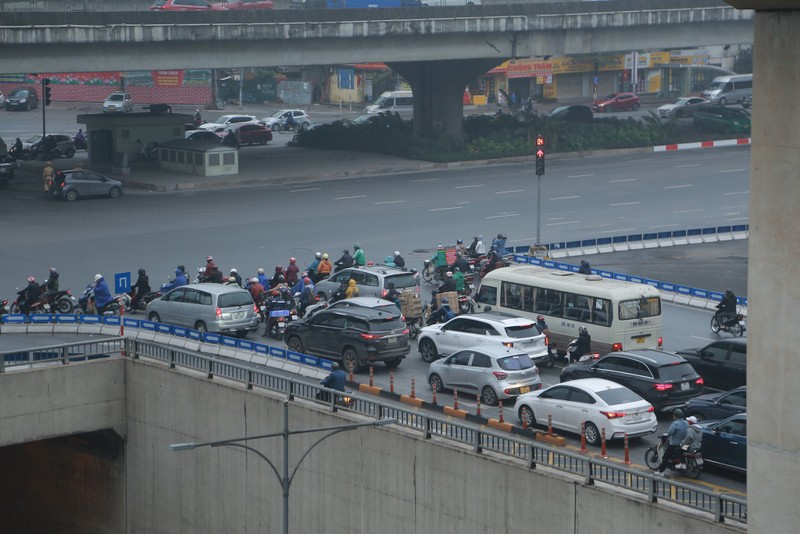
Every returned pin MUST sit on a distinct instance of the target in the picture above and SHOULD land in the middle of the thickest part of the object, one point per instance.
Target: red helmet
(292, 260)
(31, 279)
(209, 258)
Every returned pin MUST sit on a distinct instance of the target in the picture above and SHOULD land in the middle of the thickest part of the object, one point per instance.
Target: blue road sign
(122, 282)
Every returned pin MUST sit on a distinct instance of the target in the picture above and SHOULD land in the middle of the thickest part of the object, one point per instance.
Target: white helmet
(260, 270)
(396, 252)
(234, 270)
(97, 277)
(254, 280)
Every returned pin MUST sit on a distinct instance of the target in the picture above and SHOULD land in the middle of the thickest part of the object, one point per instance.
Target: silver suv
(482, 329)
(208, 308)
(372, 281)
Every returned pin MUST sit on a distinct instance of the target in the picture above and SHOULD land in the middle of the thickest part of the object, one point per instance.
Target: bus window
(511, 297)
(547, 301)
(639, 308)
(600, 315)
(527, 298)
(487, 295)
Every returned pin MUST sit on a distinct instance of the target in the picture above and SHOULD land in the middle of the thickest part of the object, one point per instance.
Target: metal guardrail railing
(64, 353)
(530, 452)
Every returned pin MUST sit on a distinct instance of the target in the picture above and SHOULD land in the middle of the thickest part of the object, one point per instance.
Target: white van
(729, 89)
(392, 101)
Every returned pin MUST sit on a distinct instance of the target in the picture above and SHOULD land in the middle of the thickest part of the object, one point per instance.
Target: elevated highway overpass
(438, 50)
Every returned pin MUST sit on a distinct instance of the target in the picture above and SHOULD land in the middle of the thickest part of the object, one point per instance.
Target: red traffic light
(540, 153)
(539, 141)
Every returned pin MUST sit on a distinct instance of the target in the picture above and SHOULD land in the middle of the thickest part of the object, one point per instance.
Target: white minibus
(618, 315)
(392, 101)
(729, 89)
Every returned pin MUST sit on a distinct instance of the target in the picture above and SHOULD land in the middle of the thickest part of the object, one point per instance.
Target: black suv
(355, 336)
(722, 364)
(663, 379)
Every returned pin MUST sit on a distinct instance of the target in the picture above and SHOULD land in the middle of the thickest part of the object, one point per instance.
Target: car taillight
(663, 387)
(651, 409)
(700, 381)
(384, 293)
(508, 344)
(69, 292)
(370, 336)
(405, 332)
(255, 308)
(218, 313)
(613, 415)
(660, 342)
(500, 375)
(616, 347)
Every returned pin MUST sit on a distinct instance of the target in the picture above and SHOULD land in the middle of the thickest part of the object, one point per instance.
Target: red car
(617, 102)
(249, 133)
(186, 5)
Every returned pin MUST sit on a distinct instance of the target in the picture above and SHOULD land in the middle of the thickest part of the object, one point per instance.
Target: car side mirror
(704, 355)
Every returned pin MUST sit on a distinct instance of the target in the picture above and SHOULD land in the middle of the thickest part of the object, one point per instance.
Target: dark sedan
(575, 113)
(725, 442)
(718, 405)
(722, 364)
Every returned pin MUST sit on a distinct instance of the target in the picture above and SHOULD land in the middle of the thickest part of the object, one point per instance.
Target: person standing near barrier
(48, 173)
(585, 268)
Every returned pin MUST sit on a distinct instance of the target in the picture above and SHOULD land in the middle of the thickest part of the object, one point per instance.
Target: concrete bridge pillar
(438, 88)
(773, 372)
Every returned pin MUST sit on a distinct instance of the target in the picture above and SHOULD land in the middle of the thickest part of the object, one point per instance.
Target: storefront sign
(528, 68)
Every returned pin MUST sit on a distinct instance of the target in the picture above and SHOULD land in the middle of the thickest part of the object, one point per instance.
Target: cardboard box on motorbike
(410, 304)
(452, 300)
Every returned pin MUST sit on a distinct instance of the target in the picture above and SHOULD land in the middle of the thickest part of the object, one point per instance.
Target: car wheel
(526, 416)
(651, 458)
(393, 363)
(305, 125)
(679, 114)
(294, 344)
(115, 192)
(636, 106)
(153, 317)
(350, 361)
(723, 101)
(64, 305)
(69, 153)
(489, 396)
(592, 434)
(276, 127)
(71, 195)
(427, 349)
(201, 327)
(715, 324)
(435, 382)
(262, 140)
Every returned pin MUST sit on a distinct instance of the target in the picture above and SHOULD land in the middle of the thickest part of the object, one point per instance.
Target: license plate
(639, 340)
(528, 343)
(524, 389)
(685, 386)
(636, 417)
(391, 339)
(239, 315)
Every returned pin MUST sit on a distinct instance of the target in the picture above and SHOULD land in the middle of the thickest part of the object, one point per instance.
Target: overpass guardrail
(531, 453)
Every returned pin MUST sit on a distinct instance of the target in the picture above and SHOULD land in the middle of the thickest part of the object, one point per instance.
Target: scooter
(734, 325)
(343, 399)
(112, 308)
(570, 357)
(691, 460)
(142, 302)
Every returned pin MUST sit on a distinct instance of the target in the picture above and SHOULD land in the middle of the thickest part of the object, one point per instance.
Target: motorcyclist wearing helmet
(359, 260)
(460, 246)
(675, 436)
(346, 261)
(443, 314)
(278, 273)
(28, 295)
(323, 269)
(694, 436)
(102, 294)
(460, 262)
(458, 278)
(585, 268)
(584, 344)
(308, 296)
(312, 267)
(341, 293)
(176, 280)
(257, 291)
(210, 265)
(278, 299)
(50, 286)
(138, 289)
(499, 243)
(726, 309)
(398, 260)
(449, 283)
(234, 278)
(292, 270)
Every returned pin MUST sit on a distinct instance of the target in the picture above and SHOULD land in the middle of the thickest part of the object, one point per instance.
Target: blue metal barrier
(228, 341)
(111, 320)
(41, 318)
(212, 338)
(67, 319)
(179, 331)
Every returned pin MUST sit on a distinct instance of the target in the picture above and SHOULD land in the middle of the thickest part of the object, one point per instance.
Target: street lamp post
(286, 479)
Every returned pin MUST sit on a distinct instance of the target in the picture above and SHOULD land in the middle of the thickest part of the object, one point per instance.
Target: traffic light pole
(44, 107)
(538, 210)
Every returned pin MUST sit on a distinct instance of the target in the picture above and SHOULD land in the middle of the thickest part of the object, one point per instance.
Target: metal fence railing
(532, 453)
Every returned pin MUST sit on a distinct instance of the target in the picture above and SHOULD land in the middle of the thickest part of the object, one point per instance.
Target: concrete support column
(773, 371)
(438, 88)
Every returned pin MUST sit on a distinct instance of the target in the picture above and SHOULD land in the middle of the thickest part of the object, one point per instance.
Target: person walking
(48, 173)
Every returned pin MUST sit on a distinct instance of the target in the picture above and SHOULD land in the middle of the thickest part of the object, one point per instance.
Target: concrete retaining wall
(368, 480)
(54, 401)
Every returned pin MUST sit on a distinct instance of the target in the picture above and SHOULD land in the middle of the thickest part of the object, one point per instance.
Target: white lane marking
(617, 230)
(563, 198)
(731, 170)
(735, 193)
(688, 165)
(424, 180)
(663, 226)
(565, 222)
(686, 211)
(444, 209)
(625, 203)
(701, 338)
(556, 218)
(677, 186)
(390, 202)
(303, 190)
(501, 216)
(468, 186)
(622, 180)
(464, 202)
(348, 198)
(581, 175)
(510, 191)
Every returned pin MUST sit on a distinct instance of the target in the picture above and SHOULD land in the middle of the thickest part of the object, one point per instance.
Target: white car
(2, 98)
(118, 103)
(227, 120)
(482, 329)
(494, 372)
(683, 107)
(276, 121)
(597, 403)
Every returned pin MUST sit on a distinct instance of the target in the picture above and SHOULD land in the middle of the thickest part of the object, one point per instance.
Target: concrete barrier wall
(54, 401)
(368, 480)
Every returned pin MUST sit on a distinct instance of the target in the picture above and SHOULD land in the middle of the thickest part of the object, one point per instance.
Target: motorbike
(431, 273)
(414, 324)
(40, 305)
(61, 302)
(112, 308)
(734, 325)
(692, 460)
(80, 143)
(278, 319)
(284, 126)
(343, 399)
(141, 304)
(465, 303)
(569, 356)
(4, 308)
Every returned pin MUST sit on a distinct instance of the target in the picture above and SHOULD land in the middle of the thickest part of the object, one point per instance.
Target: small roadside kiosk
(204, 158)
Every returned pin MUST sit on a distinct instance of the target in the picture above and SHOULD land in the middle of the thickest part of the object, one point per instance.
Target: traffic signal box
(46, 90)
(539, 155)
